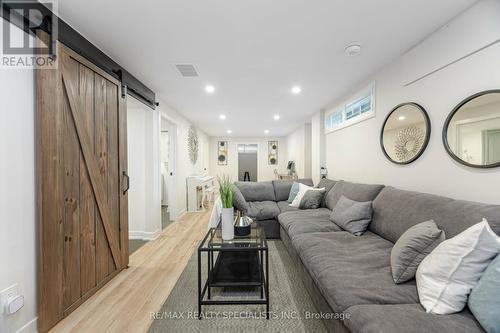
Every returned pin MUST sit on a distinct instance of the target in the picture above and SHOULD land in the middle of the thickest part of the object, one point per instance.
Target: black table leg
(267, 285)
(261, 270)
(209, 272)
(199, 284)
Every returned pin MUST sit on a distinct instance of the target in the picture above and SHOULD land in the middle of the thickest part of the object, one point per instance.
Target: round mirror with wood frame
(471, 132)
(405, 133)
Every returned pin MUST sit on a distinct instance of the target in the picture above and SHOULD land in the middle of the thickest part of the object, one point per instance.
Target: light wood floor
(125, 303)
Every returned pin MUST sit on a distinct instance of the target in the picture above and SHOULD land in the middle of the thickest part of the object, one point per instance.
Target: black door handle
(128, 182)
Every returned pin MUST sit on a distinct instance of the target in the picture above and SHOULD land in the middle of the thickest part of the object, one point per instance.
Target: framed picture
(272, 152)
(222, 153)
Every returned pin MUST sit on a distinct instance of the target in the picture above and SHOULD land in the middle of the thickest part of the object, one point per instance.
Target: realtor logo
(29, 34)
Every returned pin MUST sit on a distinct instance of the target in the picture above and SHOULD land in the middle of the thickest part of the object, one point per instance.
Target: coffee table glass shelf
(239, 263)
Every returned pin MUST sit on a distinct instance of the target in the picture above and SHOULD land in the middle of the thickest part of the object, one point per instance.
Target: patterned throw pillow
(293, 192)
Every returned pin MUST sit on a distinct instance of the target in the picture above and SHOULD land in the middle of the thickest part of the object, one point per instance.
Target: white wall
(354, 153)
(17, 176)
(142, 141)
(307, 150)
(184, 167)
(144, 125)
(317, 145)
(17, 195)
(264, 172)
(299, 150)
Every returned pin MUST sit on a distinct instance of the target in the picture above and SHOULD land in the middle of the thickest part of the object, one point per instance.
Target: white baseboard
(29, 327)
(181, 214)
(144, 235)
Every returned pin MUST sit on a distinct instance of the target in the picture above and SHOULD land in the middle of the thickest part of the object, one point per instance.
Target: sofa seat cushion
(263, 210)
(306, 221)
(284, 206)
(409, 318)
(352, 270)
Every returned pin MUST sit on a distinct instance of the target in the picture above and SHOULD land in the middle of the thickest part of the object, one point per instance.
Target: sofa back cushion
(282, 187)
(327, 184)
(353, 191)
(239, 201)
(395, 211)
(257, 191)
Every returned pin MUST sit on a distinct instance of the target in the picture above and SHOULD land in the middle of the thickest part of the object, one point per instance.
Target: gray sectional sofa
(352, 275)
(265, 201)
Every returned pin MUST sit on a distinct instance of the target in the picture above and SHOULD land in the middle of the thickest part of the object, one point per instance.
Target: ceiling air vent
(187, 70)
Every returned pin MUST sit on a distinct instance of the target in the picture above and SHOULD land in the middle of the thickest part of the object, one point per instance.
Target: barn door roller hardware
(49, 22)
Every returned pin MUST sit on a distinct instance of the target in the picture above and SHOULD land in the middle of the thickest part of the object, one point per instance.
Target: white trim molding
(29, 327)
(144, 235)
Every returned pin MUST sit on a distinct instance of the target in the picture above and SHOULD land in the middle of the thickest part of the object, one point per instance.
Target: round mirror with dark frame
(405, 133)
(471, 133)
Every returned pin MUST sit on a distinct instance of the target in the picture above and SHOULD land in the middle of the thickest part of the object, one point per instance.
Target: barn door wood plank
(71, 165)
(49, 196)
(99, 189)
(103, 253)
(112, 155)
(87, 201)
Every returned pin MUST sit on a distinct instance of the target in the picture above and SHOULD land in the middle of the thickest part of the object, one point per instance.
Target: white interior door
(168, 164)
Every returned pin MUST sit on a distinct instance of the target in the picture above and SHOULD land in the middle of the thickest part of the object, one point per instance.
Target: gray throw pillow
(352, 216)
(293, 192)
(412, 247)
(311, 199)
(239, 201)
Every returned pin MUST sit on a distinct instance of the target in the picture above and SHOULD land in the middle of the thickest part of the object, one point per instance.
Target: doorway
(247, 162)
(168, 131)
(491, 146)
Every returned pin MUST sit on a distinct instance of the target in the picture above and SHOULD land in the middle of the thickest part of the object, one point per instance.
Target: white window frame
(368, 90)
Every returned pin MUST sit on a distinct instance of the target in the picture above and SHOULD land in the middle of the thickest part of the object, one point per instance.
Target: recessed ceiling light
(352, 50)
(276, 117)
(402, 118)
(222, 116)
(229, 131)
(266, 131)
(209, 89)
(296, 90)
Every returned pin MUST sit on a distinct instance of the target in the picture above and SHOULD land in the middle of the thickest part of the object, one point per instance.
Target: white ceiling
(254, 51)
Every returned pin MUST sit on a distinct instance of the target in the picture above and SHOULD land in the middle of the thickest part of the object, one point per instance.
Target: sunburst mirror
(193, 144)
(405, 133)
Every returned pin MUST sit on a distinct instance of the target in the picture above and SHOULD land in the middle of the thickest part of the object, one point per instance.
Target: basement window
(358, 108)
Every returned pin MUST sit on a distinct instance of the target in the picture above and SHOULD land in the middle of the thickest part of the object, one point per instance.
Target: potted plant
(226, 196)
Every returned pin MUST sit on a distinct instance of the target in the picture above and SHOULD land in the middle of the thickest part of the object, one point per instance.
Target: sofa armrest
(239, 201)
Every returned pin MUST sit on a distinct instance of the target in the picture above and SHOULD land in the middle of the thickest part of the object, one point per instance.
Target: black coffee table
(241, 262)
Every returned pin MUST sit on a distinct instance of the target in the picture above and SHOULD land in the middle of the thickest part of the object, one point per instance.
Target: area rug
(291, 307)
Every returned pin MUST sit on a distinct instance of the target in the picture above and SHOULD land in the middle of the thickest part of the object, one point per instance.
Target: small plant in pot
(226, 196)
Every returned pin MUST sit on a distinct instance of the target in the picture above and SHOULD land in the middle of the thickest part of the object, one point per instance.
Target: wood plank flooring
(125, 303)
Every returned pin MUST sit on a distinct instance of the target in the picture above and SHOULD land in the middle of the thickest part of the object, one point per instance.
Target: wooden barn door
(82, 183)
